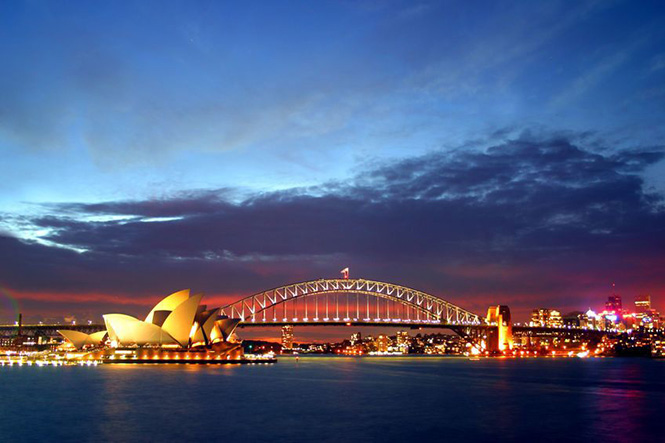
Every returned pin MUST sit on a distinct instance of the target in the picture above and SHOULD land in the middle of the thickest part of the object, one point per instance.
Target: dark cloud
(531, 221)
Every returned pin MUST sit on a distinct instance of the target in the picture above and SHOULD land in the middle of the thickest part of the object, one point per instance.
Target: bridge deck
(51, 330)
(393, 324)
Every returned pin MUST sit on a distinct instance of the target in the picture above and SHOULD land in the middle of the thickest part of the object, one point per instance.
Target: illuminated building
(576, 319)
(644, 315)
(382, 343)
(538, 317)
(613, 304)
(555, 320)
(402, 338)
(503, 338)
(594, 321)
(658, 348)
(356, 338)
(648, 319)
(403, 341)
(287, 337)
(176, 322)
(548, 318)
(656, 319)
(642, 303)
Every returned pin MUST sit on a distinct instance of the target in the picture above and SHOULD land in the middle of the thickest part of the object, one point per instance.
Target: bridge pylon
(501, 338)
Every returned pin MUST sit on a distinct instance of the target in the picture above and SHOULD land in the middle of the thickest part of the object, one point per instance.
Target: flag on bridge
(345, 273)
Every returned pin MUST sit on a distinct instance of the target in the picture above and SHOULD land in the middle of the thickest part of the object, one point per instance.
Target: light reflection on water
(338, 398)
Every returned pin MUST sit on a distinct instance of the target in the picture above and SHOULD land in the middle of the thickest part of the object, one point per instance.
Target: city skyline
(472, 152)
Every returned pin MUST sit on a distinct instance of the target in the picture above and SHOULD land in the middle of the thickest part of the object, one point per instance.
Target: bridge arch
(409, 305)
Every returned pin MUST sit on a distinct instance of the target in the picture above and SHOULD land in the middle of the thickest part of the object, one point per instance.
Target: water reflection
(619, 403)
(332, 399)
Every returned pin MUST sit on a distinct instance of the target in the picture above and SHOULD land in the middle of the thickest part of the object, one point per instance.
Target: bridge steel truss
(420, 307)
(48, 330)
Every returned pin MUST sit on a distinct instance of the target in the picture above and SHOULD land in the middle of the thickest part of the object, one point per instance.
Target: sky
(491, 152)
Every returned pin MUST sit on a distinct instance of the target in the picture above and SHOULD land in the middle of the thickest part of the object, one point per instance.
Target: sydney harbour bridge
(350, 302)
(363, 302)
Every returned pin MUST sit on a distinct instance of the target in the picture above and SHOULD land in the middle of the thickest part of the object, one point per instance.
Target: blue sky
(107, 100)
(104, 102)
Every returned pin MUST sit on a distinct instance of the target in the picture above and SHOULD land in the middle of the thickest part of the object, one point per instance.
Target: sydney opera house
(177, 329)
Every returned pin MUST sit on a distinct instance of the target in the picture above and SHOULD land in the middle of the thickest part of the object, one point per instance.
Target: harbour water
(387, 399)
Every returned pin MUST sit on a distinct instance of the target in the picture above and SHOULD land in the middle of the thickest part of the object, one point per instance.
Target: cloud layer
(537, 220)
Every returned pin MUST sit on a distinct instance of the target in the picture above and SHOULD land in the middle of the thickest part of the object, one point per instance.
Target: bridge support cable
(347, 307)
(336, 306)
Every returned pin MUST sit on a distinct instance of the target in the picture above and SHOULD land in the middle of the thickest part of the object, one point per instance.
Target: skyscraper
(642, 303)
(613, 304)
(287, 337)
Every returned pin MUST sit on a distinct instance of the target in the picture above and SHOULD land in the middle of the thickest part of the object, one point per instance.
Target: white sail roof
(128, 330)
(205, 324)
(97, 337)
(80, 339)
(169, 303)
(210, 323)
(227, 326)
(179, 322)
(177, 319)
